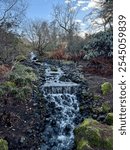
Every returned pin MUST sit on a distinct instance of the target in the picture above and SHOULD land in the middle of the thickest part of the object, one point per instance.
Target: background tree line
(60, 33)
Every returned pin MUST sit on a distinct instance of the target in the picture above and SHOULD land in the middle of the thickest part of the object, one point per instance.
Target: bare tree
(11, 12)
(65, 16)
(101, 15)
(38, 33)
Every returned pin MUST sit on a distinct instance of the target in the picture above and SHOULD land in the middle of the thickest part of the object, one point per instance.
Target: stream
(62, 110)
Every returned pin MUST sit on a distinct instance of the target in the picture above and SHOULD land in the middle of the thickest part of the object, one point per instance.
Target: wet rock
(51, 105)
(101, 118)
(22, 139)
(53, 123)
(67, 129)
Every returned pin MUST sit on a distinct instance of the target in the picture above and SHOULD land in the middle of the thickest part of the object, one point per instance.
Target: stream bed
(62, 110)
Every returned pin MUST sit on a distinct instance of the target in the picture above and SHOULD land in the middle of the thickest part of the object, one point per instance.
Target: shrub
(8, 85)
(21, 74)
(109, 119)
(106, 107)
(99, 44)
(4, 69)
(57, 54)
(20, 84)
(106, 88)
(2, 92)
(3, 144)
(20, 58)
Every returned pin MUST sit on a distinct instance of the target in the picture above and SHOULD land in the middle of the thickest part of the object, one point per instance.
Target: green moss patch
(109, 119)
(106, 107)
(91, 135)
(106, 88)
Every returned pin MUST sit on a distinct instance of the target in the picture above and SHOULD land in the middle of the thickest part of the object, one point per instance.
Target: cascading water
(62, 111)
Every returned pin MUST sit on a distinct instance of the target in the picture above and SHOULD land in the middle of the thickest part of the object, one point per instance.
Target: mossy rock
(106, 88)
(83, 145)
(3, 144)
(109, 119)
(91, 135)
(106, 107)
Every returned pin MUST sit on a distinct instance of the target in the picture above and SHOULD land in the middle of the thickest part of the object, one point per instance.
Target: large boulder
(92, 135)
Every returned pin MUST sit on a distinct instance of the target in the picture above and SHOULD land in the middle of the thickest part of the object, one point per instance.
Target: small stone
(101, 118)
(22, 139)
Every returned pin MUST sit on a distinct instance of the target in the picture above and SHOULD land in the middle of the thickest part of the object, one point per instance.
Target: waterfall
(62, 110)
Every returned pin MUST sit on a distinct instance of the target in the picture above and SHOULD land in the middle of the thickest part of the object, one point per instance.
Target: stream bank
(91, 102)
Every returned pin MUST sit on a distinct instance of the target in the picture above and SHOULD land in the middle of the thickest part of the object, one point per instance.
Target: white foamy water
(62, 105)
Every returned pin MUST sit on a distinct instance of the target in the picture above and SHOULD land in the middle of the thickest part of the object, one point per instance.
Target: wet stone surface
(62, 110)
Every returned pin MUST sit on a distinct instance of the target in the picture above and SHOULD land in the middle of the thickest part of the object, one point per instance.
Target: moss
(88, 122)
(108, 143)
(106, 107)
(3, 144)
(109, 119)
(91, 134)
(20, 58)
(83, 145)
(106, 88)
(9, 84)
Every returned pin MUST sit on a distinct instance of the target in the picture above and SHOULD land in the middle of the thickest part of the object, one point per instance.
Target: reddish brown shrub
(100, 66)
(57, 54)
(4, 70)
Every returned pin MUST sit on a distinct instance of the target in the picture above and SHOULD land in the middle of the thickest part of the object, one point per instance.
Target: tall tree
(65, 16)
(39, 34)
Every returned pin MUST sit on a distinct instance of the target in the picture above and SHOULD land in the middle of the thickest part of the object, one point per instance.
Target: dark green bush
(99, 44)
